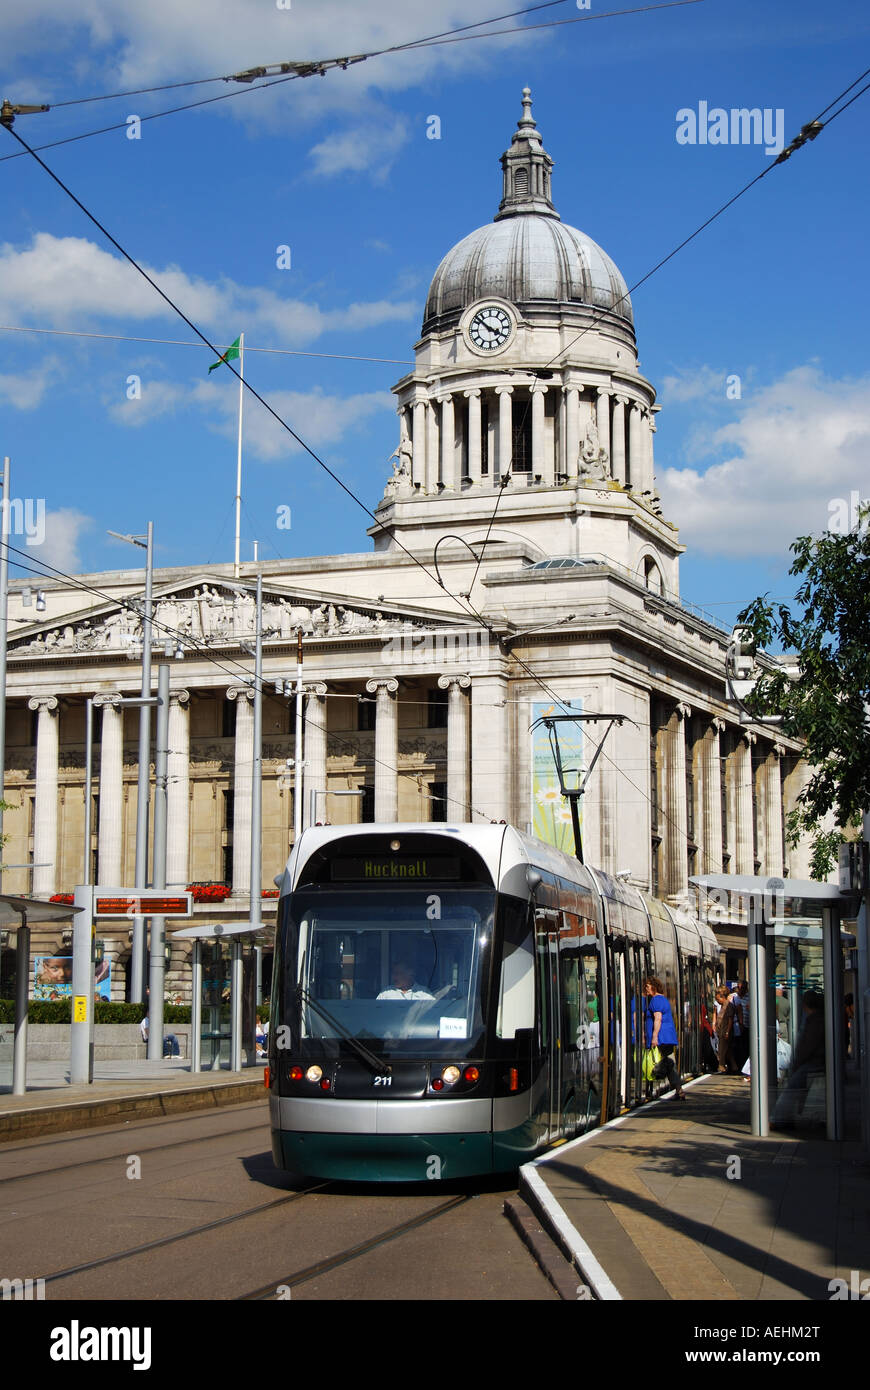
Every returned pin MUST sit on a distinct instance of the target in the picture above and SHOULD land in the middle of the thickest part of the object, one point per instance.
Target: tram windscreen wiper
(371, 1059)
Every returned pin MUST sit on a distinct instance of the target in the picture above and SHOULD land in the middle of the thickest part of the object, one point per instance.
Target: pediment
(206, 611)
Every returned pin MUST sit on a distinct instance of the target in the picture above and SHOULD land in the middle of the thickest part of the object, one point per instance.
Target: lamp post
(329, 791)
(137, 973)
(4, 621)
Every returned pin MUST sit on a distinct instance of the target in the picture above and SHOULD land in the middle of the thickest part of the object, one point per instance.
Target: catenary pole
(157, 963)
(137, 974)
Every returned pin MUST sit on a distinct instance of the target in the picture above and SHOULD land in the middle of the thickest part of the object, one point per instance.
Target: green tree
(827, 627)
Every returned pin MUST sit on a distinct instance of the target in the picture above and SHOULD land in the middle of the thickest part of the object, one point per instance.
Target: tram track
(113, 1158)
(303, 1276)
(162, 1241)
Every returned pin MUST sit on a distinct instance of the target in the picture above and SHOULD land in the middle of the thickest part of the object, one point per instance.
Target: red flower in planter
(209, 892)
(269, 893)
(62, 898)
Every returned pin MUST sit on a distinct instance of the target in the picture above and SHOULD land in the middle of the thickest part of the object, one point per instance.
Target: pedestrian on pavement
(809, 1060)
(725, 1019)
(660, 1029)
(743, 1040)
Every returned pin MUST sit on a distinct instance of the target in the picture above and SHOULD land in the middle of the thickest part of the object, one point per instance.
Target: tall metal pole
(4, 619)
(297, 748)
(861, 1034)
(137, 974)
(239, 457)
(157, 967)
(758, 1049)
(257, 770)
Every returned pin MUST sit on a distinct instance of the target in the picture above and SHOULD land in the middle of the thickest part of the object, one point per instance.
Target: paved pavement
(120, 1091)
(680, 1202)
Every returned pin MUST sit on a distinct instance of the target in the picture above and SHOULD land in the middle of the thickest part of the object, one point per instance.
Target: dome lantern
(527, 170)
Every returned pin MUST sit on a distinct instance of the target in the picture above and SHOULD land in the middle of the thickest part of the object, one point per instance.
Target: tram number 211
(382, 1080)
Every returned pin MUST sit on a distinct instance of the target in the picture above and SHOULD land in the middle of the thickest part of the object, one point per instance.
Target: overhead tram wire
(320, 66)
(797, 143)
(182, 342)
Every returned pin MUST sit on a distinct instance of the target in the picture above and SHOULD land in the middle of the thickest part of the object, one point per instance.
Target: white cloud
(795, 447)
(692, 384)
(64, 281)
(60, 548)
(25, 390)
(354, 150)
(319, 419)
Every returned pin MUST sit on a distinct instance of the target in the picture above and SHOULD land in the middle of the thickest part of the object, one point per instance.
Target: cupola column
(542, 459)
(448, 444)
(618, 437)
(604, 419)
(418, 456)
(635, 459)
(572, 431)
(473, 398)
(505, 431)
(431, 448)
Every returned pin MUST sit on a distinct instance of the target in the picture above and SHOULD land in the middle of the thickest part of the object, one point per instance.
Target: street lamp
(329, 791)
(137, 973)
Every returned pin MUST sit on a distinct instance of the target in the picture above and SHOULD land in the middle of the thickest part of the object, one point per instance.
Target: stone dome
(526, 255)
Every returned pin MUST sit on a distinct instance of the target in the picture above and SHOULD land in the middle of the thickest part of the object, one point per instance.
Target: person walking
(660, 1029)
(725, 1019)
(743, 1007)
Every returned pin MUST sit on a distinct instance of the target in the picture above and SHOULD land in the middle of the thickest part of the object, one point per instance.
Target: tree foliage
(828, 703)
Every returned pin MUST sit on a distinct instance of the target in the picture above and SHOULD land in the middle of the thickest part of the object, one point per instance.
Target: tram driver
(404, 985)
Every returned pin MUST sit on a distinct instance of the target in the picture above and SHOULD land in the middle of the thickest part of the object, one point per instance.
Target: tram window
(573, 1020)
(516, 997)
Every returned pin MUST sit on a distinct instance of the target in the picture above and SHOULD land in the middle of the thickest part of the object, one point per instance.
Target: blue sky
(340, 169)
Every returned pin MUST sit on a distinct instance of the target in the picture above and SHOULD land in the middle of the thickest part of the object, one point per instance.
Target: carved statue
(593, 459)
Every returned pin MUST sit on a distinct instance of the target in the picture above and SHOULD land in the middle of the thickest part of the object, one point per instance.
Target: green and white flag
(231, 353)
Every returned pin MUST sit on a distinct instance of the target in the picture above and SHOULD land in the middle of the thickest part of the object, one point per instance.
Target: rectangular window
(366, 711)
(437, 711)
(228, 719)
(438, 801)
(367, 805)
(484, 434)
(521, 436)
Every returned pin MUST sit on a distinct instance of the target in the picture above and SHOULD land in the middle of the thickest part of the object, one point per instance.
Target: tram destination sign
(124, 902)
(395, 868)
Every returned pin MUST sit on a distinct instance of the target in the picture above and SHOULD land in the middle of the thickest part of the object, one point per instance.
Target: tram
(450, 1000)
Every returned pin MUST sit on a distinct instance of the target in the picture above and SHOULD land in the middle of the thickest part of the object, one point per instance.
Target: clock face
(490, 328)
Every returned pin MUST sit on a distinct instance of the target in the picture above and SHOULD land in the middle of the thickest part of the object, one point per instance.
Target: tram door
(639, 965)
(569, 979)
(620, 1053)
(547, 952)
(690, 1035)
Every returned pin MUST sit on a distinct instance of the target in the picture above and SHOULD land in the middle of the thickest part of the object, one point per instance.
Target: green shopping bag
(652, 1058)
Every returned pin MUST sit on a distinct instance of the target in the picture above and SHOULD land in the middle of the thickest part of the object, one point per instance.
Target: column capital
(240, 692)
(103, 697)
(179, 697)
(388, 684)
(444, 397)
(778, 750)
(683, 710)
(718, 724)
(749, 736)
(620, 399)
(504, 390)
(604, 391)
(538, 388)
(462, 682)
(314, 688)
(43, 702)
(475, 391)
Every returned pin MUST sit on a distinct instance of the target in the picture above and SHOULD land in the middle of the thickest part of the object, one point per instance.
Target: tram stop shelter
(795, 947)
(224, 994)
(18, 914)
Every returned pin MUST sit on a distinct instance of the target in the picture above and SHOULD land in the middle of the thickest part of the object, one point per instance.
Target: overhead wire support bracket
(9, 110)
(573, 794)
(306, 69)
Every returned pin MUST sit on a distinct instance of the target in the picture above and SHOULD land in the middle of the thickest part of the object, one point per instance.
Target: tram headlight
(450, 1075)
(471, 1074)
(314, 1073)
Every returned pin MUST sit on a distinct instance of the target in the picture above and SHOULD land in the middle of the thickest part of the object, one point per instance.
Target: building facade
(520, 560)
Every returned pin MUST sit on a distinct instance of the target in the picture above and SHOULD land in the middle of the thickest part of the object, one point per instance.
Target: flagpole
(236, 570)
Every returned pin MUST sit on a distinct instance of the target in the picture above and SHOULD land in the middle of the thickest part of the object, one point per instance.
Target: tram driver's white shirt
(415, 992)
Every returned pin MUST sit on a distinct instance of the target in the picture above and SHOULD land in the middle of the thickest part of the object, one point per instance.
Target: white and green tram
(450, 1000)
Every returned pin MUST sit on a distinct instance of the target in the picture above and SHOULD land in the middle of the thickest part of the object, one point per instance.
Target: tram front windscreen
(405, 972)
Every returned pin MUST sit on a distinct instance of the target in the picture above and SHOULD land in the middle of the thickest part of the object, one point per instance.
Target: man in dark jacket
(808, 1060)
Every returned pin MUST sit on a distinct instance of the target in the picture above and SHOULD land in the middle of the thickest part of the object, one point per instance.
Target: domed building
(521, 566)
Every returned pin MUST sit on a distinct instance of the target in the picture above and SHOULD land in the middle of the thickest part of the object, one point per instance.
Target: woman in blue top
(661, 1030)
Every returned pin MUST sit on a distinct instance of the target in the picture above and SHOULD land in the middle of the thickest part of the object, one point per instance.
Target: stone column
(603, 421)
(635, 470)
(711, 791)
(313, 755)
(386, 748)
(677, 824)
(457, 745)
(650, 454)
(774, 857)
(432, 469)
(542, 461)
(448, 444)
(505, 432)
(572, 431)
(242, 778)
(473, 398)
(418, 445)
(45, 811)
(617, 460)
(178, 791)
(490, 799)
(799, 856)
(743, 852)
(111, 819)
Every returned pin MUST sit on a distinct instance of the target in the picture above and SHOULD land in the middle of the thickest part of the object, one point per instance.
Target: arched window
(652, 576)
